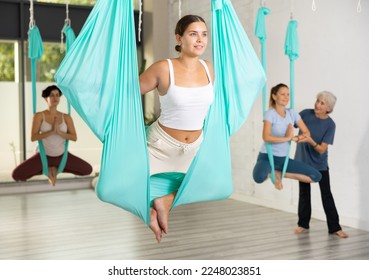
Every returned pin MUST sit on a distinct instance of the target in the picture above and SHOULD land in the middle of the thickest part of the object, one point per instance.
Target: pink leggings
(33, 166)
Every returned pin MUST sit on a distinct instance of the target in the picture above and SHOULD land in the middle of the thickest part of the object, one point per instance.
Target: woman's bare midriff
(184, 136)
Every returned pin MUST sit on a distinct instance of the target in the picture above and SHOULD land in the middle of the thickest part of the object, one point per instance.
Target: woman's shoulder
(67, 117)
(159, 66)
(270, 113)
(39, 115)
(210, 68)
(307, 112)
(293, 114)
(208, 63)
(292, 110)
(161, 63)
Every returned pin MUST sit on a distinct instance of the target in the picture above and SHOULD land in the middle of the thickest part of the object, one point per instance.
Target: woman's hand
(289, 132)
(56, 125)
(303, 138)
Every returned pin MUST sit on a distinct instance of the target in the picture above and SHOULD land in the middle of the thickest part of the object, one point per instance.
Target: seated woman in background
(278, 131)
(53, 128)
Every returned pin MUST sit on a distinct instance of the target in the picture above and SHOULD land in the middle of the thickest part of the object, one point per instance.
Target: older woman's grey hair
(329, 98)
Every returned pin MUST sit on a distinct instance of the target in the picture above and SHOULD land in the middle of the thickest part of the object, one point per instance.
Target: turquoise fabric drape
(99, 76)
(291, 49)
(35, 52)
(260, 32)
(70, 37)
(238, 72)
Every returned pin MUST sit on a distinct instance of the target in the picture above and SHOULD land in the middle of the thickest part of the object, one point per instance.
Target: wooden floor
(74, 224)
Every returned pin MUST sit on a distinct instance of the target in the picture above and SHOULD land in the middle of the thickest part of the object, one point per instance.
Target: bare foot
(162, 206)
(52, 179)
(341, 234)
(154, 225)
(53, 172)
(278, 180)
(299, 230)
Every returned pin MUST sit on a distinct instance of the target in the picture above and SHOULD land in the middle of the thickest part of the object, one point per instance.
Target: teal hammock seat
(99, 77)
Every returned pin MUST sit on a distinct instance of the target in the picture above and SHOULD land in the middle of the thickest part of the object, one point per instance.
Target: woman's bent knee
(259, 178)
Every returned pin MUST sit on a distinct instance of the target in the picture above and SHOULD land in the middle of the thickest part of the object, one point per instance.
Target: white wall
(333, 54)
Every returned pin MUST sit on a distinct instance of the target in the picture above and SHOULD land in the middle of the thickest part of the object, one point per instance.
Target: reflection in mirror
(15, 144)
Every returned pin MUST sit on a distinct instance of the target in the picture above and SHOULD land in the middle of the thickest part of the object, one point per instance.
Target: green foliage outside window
(6, 62)
(71, 2)
(49, 62)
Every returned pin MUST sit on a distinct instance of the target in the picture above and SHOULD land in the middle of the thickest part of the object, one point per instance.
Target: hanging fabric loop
(358, 8)
(140, 21)
(32, 21)
(67, 22)
(313, 6)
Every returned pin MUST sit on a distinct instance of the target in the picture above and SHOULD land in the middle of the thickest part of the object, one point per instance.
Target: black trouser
(304, 208)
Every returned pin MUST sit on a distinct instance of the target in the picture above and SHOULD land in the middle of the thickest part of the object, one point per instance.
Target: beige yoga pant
(166, 154)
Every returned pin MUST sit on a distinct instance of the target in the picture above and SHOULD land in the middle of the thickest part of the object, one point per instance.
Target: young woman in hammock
(53, 128)
(278, 130)
(185, 87)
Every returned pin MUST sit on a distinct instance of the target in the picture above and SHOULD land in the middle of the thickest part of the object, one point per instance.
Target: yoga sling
(99, 77)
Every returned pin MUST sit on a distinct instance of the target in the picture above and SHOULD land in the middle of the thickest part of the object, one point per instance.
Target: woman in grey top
(313, 150)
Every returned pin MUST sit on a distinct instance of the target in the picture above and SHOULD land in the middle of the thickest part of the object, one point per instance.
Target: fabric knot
(186, 148)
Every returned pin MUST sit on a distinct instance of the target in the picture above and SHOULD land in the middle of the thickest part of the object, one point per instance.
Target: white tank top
(185, 108)
(54, 144)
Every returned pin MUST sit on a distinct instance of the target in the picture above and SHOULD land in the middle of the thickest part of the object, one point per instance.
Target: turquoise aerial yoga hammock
(35, 52)
(260, 32)
(292, 51)
(99, 77)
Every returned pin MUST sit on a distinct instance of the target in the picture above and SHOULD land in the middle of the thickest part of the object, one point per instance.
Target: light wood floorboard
(74, 224)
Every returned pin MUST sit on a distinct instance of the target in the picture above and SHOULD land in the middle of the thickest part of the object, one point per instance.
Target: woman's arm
(319, 147)
(306, 138)
(36, 125)
(268, 137)
(153, 76)
(303, 128)
(71, 131)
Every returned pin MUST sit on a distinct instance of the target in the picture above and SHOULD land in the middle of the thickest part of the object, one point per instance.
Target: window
(71, 2)
(6, 62)
(48, 64)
